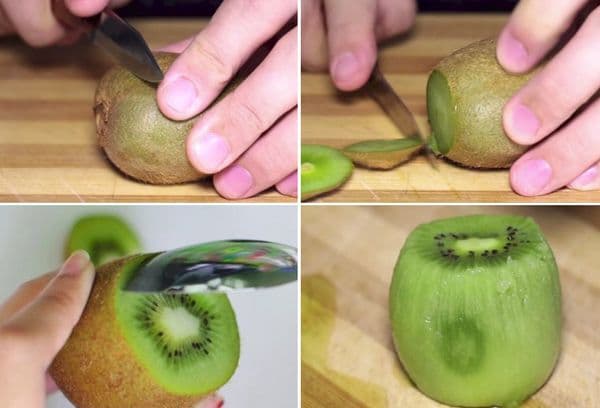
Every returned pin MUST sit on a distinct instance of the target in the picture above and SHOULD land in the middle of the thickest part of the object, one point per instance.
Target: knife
(218, 267)
(383, 93)
(113, 34)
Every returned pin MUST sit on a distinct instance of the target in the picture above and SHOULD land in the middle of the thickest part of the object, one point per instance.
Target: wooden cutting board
(48, 148)
(336, 119)
(348, 255)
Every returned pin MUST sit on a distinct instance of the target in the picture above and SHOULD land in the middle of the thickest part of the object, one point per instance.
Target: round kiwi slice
(475, 308)
(382, 154)
(146, 350)
(323, 169)
(105, 237)
(466, 94)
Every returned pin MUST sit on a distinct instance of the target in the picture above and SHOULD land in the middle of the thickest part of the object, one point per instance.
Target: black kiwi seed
(148, 310)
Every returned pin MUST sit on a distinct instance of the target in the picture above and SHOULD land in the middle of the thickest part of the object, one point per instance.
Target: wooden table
(348, 255)
(332, 118)
(48, 148)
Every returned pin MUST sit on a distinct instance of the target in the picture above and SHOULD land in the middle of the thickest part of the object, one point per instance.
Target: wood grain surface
(348, 255)
(336, 119)
(48, 148)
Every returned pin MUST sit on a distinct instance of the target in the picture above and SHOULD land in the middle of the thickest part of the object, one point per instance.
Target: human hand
(248, 140)
(567, 86)
(34, 21)
(343, 35)
(35, 323)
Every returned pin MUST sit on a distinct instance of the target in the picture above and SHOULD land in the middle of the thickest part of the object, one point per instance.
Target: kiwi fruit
(135, 135)
(105, 237)
(466, 94)
(323, 169)
(475, 307)
(133, 349)
(382, 154)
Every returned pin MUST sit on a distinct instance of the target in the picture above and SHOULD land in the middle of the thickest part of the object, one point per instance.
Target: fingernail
(514, 51)
(531, 176)
(586, 179)
(76, 263)
(208, 152)
(213, 401)
(345, 67)
(180, 94)
(289, 185)
(234, 182)
(525, 124)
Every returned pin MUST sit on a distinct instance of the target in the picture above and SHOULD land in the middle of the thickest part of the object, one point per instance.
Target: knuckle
(12, 337)
(555, 105)
(28, 287)
(211, 62)
(247, 116)
(594, 19)
(252, 7)
(61, 300)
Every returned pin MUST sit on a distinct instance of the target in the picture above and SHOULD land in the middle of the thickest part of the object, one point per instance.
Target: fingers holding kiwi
(132, 349)
(136, 349)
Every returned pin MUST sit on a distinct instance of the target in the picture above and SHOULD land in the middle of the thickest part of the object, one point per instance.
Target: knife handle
(71, 21)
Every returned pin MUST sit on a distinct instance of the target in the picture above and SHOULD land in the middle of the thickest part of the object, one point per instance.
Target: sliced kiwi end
(441, 112)
(104, 236)
(383, 154)
(189, 343)
(475, 307)
(322, 169)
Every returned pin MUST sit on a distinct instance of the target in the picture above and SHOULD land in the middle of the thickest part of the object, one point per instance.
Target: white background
(32, 240)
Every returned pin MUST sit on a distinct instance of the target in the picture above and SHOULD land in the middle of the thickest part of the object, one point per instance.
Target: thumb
(44, 326)
(212, 401)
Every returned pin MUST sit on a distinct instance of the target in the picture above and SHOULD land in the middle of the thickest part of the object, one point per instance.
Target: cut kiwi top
(188, 343)
(105, 237)
(323, 169)
(381, 153)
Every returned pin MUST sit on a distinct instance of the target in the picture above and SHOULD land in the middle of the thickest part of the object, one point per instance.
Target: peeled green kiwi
(382, 154)
(322, 169)
(475, 307)
(466, 93)
(146, 350)
(105, 237)
(135, 135)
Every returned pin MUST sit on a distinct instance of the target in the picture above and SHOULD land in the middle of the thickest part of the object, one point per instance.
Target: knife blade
(117, 37)
(383, 93)
(218, 267)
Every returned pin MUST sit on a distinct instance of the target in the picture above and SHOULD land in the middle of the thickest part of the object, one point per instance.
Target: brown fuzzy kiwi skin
(136, 136)
(480, 88)
(96, 368)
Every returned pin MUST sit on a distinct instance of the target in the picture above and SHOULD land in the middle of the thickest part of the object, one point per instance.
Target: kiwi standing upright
(134, 349)
(475, 307)
(466, 94)
(136, 136)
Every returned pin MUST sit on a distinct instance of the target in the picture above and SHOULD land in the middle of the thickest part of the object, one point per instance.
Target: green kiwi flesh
(382, 154)
(105, 237)
(466, 94)
(135, 135)
(136, 349)
(475, 306)
(323, 169)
